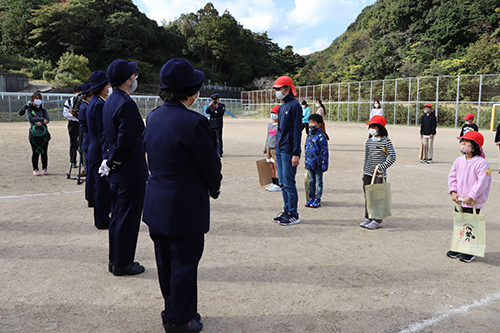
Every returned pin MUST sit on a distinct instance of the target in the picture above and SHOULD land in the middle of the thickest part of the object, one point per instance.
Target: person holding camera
(70, 111)
(216, 111)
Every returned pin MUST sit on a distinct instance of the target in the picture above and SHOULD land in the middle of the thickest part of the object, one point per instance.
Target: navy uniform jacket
(289, 126)
(185, 171)
(216, 114)
(95, 129)
(124, 127)
(82, 118)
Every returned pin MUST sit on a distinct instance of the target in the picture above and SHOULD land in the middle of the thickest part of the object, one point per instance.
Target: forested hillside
(92, 33)
(407, 38)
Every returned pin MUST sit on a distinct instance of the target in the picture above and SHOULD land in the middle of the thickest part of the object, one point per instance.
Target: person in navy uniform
(185, 172)
(84, 142)
(125, 167)
(100, 189)
(216, 111)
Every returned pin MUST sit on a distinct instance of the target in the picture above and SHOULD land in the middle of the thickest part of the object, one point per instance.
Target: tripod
(80, 153)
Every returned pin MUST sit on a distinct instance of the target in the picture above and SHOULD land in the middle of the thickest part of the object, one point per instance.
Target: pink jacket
(470, 178)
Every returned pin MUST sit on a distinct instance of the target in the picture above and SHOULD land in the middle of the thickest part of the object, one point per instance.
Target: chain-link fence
(10, 103)
(452, 97)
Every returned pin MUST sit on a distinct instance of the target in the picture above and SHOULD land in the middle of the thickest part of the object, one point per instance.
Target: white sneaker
(270, 185)
(365, 223)
(274, 188)
(373, 225)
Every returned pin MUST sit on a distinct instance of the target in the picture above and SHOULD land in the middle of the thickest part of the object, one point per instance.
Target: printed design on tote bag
(466, 233)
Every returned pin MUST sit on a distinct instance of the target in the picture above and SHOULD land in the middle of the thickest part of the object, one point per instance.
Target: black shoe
(197, 317)
(467, 257)
(102, 227)
(280, 217)
(73, 165)
(91, 204)
(190, 327)
(132, 269)
(453, 254)
(110, 267)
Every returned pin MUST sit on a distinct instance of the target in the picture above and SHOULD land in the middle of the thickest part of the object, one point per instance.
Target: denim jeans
(286, 177)
(315, 184)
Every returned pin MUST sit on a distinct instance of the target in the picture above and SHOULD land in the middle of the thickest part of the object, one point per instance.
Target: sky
(307, 25)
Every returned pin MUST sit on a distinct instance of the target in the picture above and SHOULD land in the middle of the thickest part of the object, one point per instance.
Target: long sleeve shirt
(378, 152)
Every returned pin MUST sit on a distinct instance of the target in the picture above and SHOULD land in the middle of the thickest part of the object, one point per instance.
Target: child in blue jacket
(316, 155)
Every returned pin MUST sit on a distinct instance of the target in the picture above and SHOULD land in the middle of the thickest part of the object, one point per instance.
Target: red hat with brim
(377, 120)
(473, 136)
(275, 109)
(469, 116)
(285, 81)
(428, 105)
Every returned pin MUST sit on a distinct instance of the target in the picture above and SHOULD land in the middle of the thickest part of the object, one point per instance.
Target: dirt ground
(324, 275)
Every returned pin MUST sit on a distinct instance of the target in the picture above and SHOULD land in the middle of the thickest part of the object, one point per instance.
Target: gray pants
(428, 147)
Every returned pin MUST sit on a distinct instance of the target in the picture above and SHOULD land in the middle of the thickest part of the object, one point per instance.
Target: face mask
(312, 128)
(318, 105)
(133, 87)
(373, 131)
(427, 111)
(37, 102)
(274, 116)
(466, 149)
(110, 91)
(196, 98)
(468, 122)
(377, 105)
(303, 106)
(279, 95)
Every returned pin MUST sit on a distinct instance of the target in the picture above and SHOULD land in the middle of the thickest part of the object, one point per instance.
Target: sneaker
(191, 326)
(274, 188)
(373, 225)
(429, 161)
(73, 165)
(467, 257)
(83, 173)
(423, 161)
(36, 173)
(281, 216)
(364, 223)
(316, 203)
(45, 172)
(308, 204)
(290, 220)
(269, 186)
(453, 254)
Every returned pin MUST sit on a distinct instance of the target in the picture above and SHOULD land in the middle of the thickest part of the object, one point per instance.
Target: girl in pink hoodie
(469, 179)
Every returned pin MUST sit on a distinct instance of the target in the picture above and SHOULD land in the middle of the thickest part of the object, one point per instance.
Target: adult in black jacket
(185, 172)
(428, 124)
(216, 110)
(39, 135)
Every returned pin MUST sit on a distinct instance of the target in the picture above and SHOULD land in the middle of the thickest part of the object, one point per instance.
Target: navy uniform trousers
(125, 222)
(177, 258)
(218, 135)
(101, 196)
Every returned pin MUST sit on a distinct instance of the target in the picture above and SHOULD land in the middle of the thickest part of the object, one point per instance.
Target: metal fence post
(418, 101)
(371, 94)
(338, 109)
(458, 97)
(479, 98)
(330, 102)
(359, 98)
(348, 100)
(437, 97)
(395, 99)
(10, 108)
(409, 100)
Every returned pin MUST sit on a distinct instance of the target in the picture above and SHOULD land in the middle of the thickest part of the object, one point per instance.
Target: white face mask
(279, 95)
(377, 105)
(196, 98)
(274, 116)
(37, 102)
(110, 91)
(318, 105)
(133, 87)
(373, 131)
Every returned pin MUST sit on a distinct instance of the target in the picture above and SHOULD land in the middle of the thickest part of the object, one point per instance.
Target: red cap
(377, 120)
(428, 105)
(275, 109)
(285, 81)
(469, 116)
(473, 136)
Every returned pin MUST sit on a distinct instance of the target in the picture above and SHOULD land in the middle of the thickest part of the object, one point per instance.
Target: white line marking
(39, 194)
(426, 323)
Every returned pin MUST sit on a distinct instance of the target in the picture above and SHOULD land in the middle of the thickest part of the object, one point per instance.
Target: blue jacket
(306, 112)
(185, 171)
(82, 118)
(289, 126)
(95, 129)
(316, 151)
(124, 126)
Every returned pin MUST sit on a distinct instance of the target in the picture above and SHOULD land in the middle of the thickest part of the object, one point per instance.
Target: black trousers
(127, 204)
(74, 134)
(101, 197)
(39, 147)
(367, 180)
(306, 127)
(177, 258)
(218, 136)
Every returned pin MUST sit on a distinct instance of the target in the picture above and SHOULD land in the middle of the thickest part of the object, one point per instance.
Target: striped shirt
(379, 153)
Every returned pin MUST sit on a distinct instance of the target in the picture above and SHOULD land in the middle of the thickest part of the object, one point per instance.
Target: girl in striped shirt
(378, 152)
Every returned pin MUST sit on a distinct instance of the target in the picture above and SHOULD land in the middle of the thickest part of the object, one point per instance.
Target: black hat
(120, 71)
(214, 96)
(178, 74)
(86, 87)
(97, 79)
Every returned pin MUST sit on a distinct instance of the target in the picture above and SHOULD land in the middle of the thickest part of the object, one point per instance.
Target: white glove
(104, 169)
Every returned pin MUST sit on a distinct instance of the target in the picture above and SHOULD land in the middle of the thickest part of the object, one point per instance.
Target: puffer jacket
(316, 150)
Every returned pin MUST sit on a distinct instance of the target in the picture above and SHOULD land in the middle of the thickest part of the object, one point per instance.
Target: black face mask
(312, 128)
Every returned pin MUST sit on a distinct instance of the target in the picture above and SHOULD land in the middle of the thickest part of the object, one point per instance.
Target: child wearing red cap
(270, 149)
(378, 152)
(469, 124)
(469, 179)
(428, 124)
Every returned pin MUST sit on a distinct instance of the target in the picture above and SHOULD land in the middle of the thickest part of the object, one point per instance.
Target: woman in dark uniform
(185, 172)
(39, 135)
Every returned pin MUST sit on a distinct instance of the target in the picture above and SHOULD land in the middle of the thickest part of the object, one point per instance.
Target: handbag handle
(459, 207)
(375, 175)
